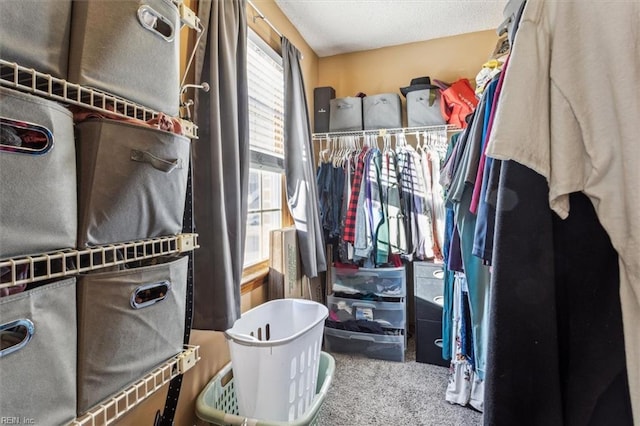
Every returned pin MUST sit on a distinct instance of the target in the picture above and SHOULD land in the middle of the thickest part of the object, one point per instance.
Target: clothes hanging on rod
(377, 197)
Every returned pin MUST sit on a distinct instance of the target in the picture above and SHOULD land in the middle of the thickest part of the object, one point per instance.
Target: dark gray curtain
(302, 194)
(220, 164)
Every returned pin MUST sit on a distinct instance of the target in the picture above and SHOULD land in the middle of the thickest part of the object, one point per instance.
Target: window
(266, 134)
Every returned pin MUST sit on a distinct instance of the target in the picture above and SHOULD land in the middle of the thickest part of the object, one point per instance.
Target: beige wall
(389, 68)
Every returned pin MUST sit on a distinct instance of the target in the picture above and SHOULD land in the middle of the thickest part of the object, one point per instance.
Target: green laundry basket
(217, 403)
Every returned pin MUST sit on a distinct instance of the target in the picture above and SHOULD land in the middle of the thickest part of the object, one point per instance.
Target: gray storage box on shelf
(382, 111)
(129, 322)
(345, 114)
(132, 181)
(38, 197)
(423, 108)
(128, 48)
(38, 350)
(35, 34)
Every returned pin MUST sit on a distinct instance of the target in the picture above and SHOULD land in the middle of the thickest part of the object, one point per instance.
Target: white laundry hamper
(275, 352)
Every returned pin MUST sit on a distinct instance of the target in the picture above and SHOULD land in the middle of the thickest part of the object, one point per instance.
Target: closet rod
(264, 18)
(382, 132)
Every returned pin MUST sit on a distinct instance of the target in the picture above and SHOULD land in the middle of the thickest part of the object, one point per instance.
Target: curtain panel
(220, 163)
(302, 194)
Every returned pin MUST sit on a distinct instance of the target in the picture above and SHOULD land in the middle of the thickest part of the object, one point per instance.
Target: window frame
(255, 275)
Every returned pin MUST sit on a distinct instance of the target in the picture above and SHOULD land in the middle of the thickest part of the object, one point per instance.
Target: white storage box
(128, 48)
(38, 197)
(38, 374)
(129, 322)
(275, 353)
(35, 34)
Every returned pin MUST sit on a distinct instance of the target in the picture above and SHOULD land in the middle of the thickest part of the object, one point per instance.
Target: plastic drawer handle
(363, 305)
(150, 294)
(166, 166)
(438, 342)
(365, 338)
(439, 300)
(19, 332)
(153, 21)
(439, 274)
(21, 137)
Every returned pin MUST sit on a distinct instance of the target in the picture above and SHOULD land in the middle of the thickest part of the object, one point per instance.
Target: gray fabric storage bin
(382, 111)
(119, 340)
(423, 108)
(345, 114)
(112, 50)
(38, 197)
(38, 379)
(132, 182)
(35, 34)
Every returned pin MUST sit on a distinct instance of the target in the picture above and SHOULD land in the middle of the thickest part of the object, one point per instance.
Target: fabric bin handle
(166, 166)
(150, 294)
(152, 20)
(21, 137)
(15, 335)
(344, 106)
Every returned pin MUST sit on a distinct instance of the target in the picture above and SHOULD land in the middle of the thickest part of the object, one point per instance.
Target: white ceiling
(332, 27)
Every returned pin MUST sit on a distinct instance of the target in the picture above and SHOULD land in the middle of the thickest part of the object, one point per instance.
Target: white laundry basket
(275, 353)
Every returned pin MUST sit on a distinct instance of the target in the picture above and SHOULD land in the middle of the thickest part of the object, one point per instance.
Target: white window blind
(266, 105)
(266, 134)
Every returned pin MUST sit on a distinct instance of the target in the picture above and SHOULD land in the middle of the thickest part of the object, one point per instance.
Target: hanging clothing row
(382, 204)
(466, 178)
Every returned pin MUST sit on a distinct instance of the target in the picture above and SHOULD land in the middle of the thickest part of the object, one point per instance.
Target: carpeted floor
(368, 392)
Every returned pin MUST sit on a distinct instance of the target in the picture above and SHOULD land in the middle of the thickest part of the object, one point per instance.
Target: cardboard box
(312, 289)
(285, 271)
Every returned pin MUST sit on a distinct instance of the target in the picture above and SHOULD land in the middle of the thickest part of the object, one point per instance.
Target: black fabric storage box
(128, 48)
(38, 196)
(321, 106)
(129, 322)
(38, 375)
(345, 114)
(132, 182)
(382, 111)
(35, 34)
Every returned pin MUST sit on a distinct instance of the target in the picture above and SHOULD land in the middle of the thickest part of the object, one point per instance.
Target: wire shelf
(69, 262)
(41, 84)
(383, 132)
(117, 406)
